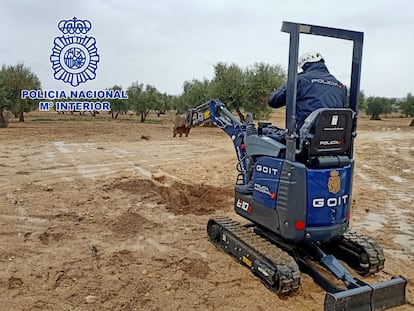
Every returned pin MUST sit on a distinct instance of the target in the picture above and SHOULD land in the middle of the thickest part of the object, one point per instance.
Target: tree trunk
(116, 116)
(412, 122)
(144, 116)
(241, 116)
(3, 121)
(21, 116)
(375, 116)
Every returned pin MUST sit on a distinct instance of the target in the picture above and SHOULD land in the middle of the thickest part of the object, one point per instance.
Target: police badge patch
(74, 56)
(334, 182)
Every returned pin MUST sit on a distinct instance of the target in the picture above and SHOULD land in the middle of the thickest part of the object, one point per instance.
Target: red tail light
(300, 225)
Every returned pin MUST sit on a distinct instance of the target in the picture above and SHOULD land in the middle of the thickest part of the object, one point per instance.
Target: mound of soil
(179, 198)
(145, 188)
(196, 199)
(130, 223)
(194, 267)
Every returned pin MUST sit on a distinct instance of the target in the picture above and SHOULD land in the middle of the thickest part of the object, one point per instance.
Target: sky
(165, 42)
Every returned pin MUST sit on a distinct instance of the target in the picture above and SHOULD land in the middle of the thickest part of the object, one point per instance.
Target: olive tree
(14, 80)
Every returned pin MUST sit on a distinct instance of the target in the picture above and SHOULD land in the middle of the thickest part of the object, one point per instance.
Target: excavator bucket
(380, 296)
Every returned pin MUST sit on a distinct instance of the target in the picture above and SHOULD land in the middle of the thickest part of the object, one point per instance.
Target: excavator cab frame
(294, 30)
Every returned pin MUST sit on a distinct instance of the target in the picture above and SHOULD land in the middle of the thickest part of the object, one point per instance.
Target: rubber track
(373, 251)
(286, 266)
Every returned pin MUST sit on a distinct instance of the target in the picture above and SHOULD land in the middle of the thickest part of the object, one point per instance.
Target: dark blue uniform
(317, 88)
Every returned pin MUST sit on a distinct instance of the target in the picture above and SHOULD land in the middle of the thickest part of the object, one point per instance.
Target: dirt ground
(111, 215)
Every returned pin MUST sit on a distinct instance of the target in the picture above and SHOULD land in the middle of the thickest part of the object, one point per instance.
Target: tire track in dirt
(388, 190)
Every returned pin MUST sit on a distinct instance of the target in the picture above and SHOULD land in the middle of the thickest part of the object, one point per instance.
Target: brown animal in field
(180, 126)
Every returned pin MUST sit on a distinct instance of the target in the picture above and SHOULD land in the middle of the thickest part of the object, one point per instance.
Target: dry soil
(101, 214)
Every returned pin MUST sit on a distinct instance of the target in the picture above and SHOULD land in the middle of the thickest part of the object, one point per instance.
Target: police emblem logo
(334, 182)
(74, 55)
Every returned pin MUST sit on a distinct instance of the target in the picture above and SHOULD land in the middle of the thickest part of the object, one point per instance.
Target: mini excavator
(296, 195)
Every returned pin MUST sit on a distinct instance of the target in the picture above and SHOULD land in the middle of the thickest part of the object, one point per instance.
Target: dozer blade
(388, 294)
(356, 299)
(377, 297)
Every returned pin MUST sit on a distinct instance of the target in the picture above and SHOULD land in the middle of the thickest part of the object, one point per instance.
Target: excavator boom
(221, 117)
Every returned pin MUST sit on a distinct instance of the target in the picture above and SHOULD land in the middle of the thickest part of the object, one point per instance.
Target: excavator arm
(221, 117)
(215, 111)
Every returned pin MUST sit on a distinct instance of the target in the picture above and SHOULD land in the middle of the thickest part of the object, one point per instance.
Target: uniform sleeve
(278, 97)
(345, 94)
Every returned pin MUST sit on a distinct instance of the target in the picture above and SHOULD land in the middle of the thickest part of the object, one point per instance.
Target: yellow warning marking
(247, 261)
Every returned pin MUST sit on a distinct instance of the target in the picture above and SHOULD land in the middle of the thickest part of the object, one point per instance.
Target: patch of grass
(78, 119)
(42, 120)
(153, 121)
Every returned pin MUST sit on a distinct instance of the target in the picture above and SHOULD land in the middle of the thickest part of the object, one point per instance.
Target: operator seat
(325, 139)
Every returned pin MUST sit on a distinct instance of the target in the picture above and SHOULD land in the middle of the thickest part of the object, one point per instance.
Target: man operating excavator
(316, 88)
